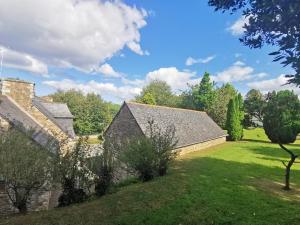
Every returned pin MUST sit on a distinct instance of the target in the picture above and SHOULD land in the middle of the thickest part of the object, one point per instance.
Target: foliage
(139, 157)
(282, 117)
(234, 118)
(149, 156)
(25, 167)
(103, 167)
(232, 183)
(274, 23)
(74, 174)
(91, 114)
(163, 142)
(158, 92)
(218, 109)
(282, 124)
(254, 104)
(148, 98)
(204, 93)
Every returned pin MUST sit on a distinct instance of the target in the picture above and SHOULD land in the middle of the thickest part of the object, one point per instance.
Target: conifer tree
(235, 116)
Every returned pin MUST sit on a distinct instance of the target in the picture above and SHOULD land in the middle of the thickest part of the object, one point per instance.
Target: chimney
(21, 91)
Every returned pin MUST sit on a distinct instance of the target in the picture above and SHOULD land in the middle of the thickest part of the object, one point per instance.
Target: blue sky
(114, 48)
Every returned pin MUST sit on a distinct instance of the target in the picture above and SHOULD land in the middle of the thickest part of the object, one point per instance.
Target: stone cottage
(195, 130)
(51, 122)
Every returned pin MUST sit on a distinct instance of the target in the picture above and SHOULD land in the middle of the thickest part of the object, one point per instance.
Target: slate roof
(58, 113)
(191, 126)
(10, 111)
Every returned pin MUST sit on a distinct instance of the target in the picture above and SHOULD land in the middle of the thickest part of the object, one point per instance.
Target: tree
(234, 119)
(204, 93)
(254, 104)
(159, 92)
(148, 98)
(274, 23)
(218, 109)
(282, 124)
(26, 167)
(91, 114)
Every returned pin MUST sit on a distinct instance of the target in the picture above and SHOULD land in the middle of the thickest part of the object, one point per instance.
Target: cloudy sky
(114, 48)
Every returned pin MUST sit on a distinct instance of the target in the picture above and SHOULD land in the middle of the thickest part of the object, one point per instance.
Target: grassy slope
(234, 183)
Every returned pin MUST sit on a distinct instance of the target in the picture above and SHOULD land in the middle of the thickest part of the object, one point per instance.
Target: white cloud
(108, 71)
(22, 61)
(237, 72)
(237, 28)
(178, 80)
(275, 84)
(70, 33)
(104, 89)
(191, 61)
(135, 47)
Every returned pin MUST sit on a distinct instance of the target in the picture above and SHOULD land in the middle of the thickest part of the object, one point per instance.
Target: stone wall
(21, 91)
(200, 146)
(124, 126)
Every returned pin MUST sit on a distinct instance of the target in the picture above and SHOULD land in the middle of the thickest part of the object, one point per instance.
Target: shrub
(281, 123)
(103, 168)
(282, 117)
(25, 167)
(139, 157)
(74, 174)
(150, 155)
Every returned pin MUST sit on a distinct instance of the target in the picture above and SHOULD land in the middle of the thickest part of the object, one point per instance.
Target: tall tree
(270, 22)
(282, 124)
(204, 93)
(254, 104)
(148, 98)
(161, 93)
(234, 119)
(218, 109)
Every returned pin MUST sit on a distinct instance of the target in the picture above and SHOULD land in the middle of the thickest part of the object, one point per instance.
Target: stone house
(194, 130)
(51, 122)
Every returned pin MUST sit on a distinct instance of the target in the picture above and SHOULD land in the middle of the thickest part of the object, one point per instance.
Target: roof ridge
(161, 106)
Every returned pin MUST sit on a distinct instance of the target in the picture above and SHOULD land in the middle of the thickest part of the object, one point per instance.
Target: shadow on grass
(201, 190)
(267, 142)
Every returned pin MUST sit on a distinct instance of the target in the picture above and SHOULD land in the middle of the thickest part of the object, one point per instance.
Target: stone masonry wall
(200, 146)
(124, 126)
(21, 91)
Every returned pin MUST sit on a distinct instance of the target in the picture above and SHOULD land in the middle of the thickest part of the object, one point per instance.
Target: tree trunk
(22, 207)
(287, 173)
(288, 167)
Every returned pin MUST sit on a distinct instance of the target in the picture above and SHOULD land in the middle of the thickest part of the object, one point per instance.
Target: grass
(233, 183)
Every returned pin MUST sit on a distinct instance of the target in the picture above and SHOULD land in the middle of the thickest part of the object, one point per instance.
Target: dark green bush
(281, 117)
(71, 194)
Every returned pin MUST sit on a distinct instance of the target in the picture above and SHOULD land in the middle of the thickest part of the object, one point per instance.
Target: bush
(281, 120)
(71, 194)
(149, 156)
(74, 174)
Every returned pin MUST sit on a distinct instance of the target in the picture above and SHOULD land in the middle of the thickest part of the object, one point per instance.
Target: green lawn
(233, 183)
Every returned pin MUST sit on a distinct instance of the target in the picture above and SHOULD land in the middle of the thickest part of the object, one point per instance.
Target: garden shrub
(149, 156)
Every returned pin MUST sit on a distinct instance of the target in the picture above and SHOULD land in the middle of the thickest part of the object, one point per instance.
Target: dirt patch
(276, 188)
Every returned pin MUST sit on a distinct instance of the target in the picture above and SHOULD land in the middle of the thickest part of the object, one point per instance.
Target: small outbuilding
(194, 130)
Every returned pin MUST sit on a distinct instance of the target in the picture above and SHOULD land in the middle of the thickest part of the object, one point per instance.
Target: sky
(114, 48)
